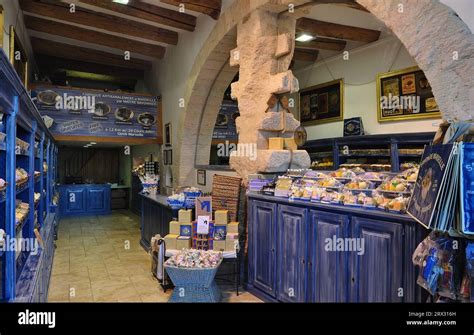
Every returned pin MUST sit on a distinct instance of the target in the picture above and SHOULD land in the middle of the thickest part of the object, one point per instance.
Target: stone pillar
(265, 45)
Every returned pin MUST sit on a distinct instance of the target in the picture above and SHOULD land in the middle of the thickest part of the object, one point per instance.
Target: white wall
(359, 73)
(465, 10)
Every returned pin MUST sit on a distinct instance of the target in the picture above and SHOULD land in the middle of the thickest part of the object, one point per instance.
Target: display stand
(26, 273)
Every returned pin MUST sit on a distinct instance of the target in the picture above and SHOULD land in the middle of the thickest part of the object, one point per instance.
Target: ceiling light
(92, 143)
(123, 2)
(304, 38)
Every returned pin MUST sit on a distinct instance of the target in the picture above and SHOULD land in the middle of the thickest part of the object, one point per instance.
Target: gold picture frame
(17, 51)
(331, 97)
(397, 80)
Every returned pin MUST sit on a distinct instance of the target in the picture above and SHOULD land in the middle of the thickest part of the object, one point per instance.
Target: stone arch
(452, 80)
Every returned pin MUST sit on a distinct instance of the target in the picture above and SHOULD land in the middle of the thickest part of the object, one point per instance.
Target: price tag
(203, 225)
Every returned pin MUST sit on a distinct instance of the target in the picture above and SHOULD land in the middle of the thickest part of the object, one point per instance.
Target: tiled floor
(99, 259)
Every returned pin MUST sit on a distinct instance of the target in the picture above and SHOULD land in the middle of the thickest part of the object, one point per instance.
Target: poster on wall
(75, 113)
(225, 127)
(323, 103)
(405, 94)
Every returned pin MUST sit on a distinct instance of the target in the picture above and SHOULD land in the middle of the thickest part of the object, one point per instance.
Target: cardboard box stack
(180, 231)
(226, 235)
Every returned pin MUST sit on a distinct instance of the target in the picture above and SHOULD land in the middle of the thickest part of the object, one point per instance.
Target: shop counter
(155, 217)
(312, 252)
(84, 199)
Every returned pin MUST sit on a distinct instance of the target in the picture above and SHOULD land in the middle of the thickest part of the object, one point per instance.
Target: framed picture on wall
(18, 57)
(168, 134)
(168, 157)
(405, 95)
(201, 177)
(322, 103)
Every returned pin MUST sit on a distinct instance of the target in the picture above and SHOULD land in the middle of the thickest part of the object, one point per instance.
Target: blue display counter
(311, 252)
(84, 199)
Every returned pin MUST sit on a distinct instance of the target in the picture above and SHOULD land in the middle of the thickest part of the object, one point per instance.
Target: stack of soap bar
(185, 216)
(170, 241)
(221, 217)
(183, 242)
(233, 227)
(219, 245)
(174, 227)
(276, 143)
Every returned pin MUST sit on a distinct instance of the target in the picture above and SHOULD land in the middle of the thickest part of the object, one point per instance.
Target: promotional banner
(93, 113)
(225, 124)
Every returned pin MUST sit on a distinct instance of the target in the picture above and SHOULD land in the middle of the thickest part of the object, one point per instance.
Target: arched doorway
(449, 69)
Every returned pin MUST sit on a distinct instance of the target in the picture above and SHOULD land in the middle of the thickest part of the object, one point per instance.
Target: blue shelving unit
(25, 274)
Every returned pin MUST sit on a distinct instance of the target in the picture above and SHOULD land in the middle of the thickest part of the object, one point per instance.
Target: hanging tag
(203, 225)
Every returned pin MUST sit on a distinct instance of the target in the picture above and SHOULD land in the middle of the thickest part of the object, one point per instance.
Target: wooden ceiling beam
(305, 55)
(68, 51)
(211, 8)
(50, 64)
(334, 30)
(148, 12)
(323, 43)
(94, 37)
(103, 21)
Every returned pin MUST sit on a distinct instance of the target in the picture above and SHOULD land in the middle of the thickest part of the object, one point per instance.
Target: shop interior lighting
(304, 38)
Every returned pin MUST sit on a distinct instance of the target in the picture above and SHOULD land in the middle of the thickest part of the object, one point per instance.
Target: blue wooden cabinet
(327, 268)
(291, 253)
(85, 199)
(262, 255)
(295, 253)
(377, 274)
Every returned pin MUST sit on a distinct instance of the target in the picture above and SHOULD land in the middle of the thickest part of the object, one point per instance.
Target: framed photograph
(168, 134)
(201, 177)
(322, 103)
(18, 57)
(168, 157)
(404, 95)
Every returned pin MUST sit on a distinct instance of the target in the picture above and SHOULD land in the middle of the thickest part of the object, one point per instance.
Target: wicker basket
(202, 277)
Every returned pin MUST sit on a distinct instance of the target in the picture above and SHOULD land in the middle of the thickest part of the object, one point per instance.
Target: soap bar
(233, 227)
(276, 143)
(221, 217)
(183, 243)
(174, 227)
(170, 241)
(290, 144)
(219, 245)
(231, 245)
(232, 236)
(185, 216)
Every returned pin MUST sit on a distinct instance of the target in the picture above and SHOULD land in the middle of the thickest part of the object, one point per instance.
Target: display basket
(150, 187)
(182, 276)
(194, 284)
(176, 204)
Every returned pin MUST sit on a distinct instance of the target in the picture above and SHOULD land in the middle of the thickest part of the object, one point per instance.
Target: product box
(185, 230)
(174, 227)
(233, 227)
(203, 206)
(220, 232)
(170, 241)
(230, 245)
(183, 243)
(290, 144)
(232, 236)
(276, 143)
(221, 217)
(185, 216)
(219, 246)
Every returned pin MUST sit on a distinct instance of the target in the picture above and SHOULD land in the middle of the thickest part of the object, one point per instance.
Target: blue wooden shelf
(390, 142)
(22, 120)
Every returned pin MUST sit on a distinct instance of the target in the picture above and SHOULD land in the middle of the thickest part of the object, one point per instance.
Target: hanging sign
(79, 113)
